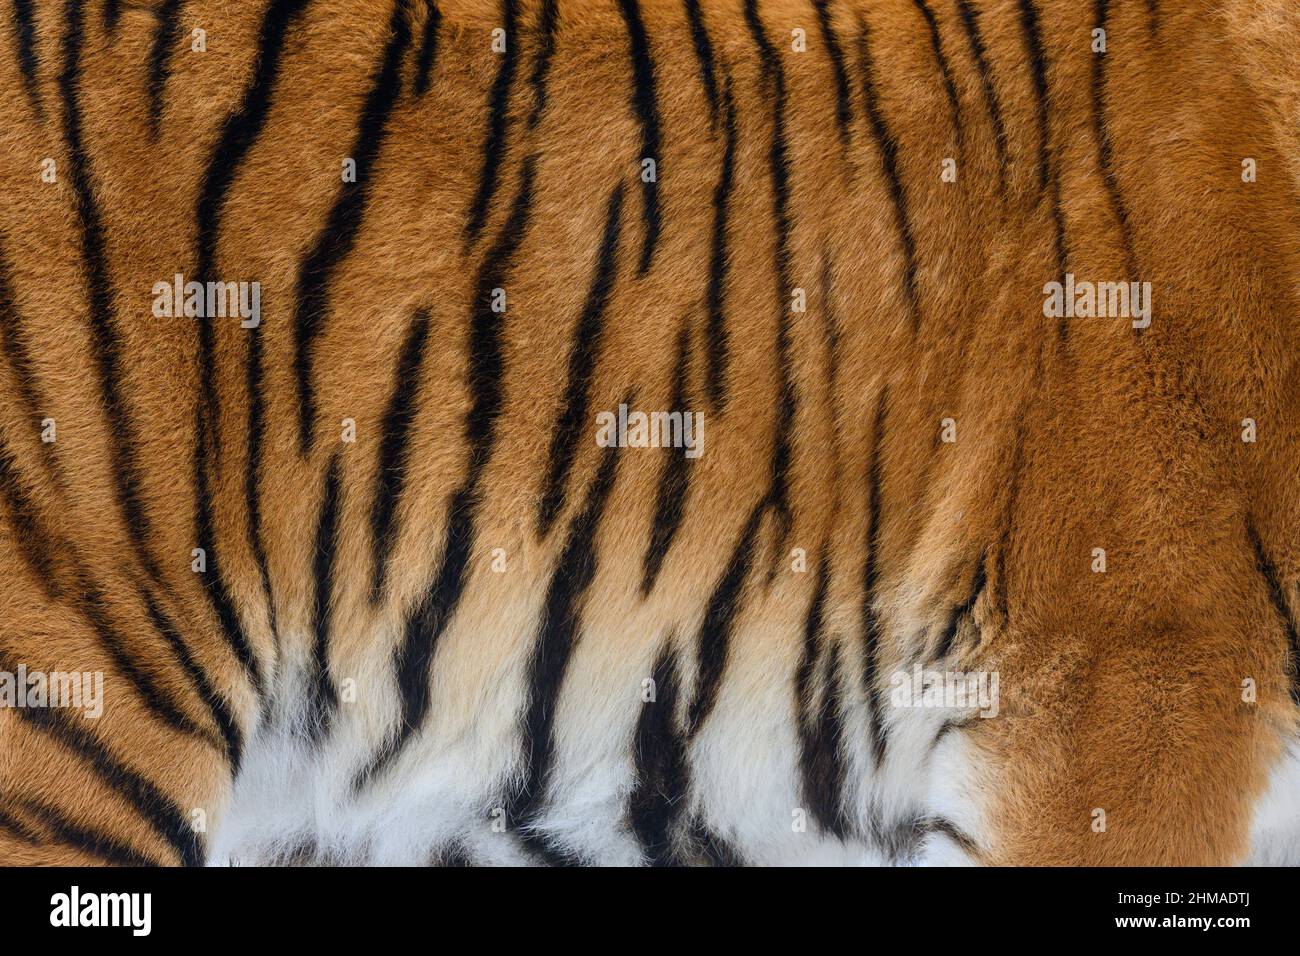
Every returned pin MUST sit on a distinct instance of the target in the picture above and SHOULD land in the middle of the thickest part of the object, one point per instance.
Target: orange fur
(1121, 690)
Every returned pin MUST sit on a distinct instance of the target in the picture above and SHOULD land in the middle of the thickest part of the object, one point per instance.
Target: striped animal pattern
(365, 585)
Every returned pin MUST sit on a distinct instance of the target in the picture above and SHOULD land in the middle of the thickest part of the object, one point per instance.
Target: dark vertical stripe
(970, 22)
(703, 55)
(1105, 149)
(843, 111)
(38, 546)
(428, 49)
(394, 451)
(166, 35)
(153, 806)
(774, 76)
(324, 695)
(961, 611)
(662, 771)
(871, 632)
(28, 63)
(494, 145)
(888, 149)
(674, 477)
(1047, 181)
(645, 103)
(13, 346)
(216, 704)
(820, 727)
(238, 133)
(83, 838)
(253, 470)
(112, 10)
(431, 615)
(713, 849)
(104, 344)
(719, 619)
(719, 263)
(156, 697)
(949, 87)
(30, 537)
(232, 629)
(556, 639)
(1269, 573)
(571, 418)
(339, 234)
(547, 27)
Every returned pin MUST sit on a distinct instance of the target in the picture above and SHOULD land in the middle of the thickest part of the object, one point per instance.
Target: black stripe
(703, 55)
(557, 637)
(1153, 15)
(494, 145)
(888, 148)
(18, 828)
(1268, 571)
(104, 345)
(821, 729)
(719, 619)
(871, 633)
(949, 88)
(674, 477)
(571, 418)
(960, 611)
(453, 855)
(645, 103)
(79, 837)
(713, 849)
(112, 10)
(13, 345)
(28, 62)
(779, 493)
(155, 807)
(662, 771)
(157, 697)
(550, 18)
(253, 470)
(720, 262)
(238, 133)
(232, 629)
(843, 110)
(394, 451)
(430, 617)
(165, 37)
(336, 238)
(29, 534)
(1046, 180)
(38, 545)
(324, 696)
(216, 704)
(1105, 149)
(428, 49)
(970, 22)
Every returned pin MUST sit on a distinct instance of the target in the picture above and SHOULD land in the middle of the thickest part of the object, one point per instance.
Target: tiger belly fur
(365, 583)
